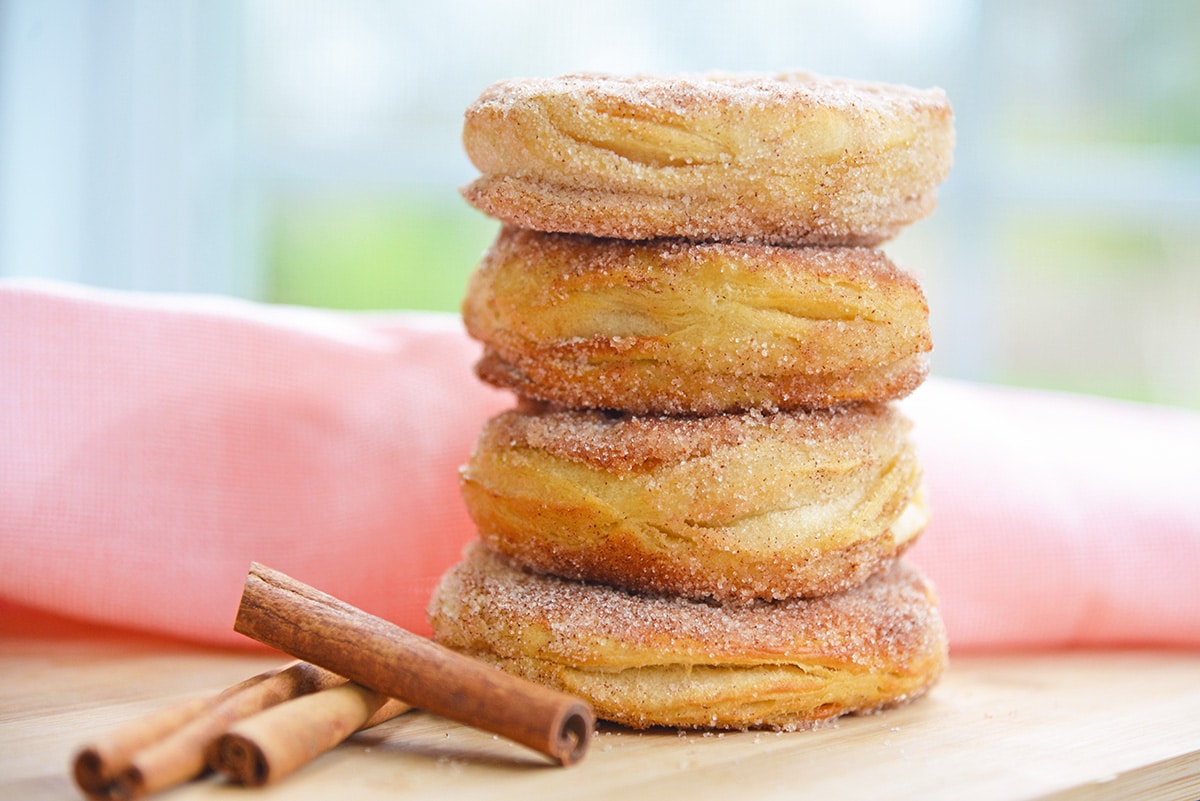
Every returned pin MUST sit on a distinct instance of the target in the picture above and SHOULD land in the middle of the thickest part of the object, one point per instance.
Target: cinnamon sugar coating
(733, 506)
(785, 159)
(696, 515)
(661, 661)
(675, 327)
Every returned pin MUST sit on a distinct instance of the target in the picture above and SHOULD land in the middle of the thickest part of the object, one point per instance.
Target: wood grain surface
(1076, 725)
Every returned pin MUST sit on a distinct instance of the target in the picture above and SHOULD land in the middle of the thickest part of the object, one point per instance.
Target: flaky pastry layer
(784, 159)
(660, 661)
(732, 506)
(681, 328)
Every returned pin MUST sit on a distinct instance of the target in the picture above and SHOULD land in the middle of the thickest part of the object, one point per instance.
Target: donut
(734, 506)
(676, 327)
(782, 159)
(644, 660)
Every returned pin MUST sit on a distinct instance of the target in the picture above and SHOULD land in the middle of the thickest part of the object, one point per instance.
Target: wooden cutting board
(1077, 725)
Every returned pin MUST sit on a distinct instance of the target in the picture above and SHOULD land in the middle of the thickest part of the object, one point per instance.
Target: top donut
(791, 159)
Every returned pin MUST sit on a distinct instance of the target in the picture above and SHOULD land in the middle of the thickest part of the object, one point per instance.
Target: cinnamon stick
(164, 750)
(286, 614)
(275, 743)
(98, 763)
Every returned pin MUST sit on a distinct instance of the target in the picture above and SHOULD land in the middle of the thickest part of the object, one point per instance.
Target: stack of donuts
(695, 514)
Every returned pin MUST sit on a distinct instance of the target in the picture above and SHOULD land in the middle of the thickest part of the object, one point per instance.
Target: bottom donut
(645, 661)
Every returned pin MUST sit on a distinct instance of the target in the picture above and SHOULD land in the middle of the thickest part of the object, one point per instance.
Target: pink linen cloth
(152, 446)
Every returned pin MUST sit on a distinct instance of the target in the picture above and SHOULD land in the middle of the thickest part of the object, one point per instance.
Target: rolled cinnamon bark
(168, 747)
(275, 743)
(97, 764)
(286, 614)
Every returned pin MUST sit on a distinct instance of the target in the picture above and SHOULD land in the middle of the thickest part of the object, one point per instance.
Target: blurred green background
(374, 253)
(307, 152)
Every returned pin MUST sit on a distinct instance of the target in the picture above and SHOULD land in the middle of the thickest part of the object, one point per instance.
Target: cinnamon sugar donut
(784, 159)
(724, 507)
(674, 327)
(661, 661)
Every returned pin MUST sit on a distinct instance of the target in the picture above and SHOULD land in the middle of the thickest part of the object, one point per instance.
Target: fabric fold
(154, 445)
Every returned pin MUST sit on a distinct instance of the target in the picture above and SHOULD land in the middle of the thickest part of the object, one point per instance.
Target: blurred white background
(307, 151)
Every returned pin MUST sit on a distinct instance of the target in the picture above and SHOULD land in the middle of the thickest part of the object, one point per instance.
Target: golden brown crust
(681, 328)
(726, 507)
(784, 159)
(660, 661)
